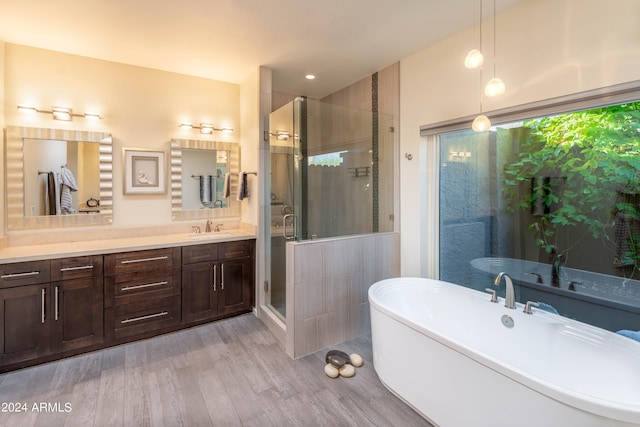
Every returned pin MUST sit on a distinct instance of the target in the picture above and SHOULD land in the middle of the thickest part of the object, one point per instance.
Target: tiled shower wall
(327, 285)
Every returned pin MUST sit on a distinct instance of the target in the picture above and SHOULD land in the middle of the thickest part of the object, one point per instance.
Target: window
(329, 159)
(554, 202)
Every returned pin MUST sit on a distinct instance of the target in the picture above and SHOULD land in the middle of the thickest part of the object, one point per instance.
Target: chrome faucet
(218, 227)
(555, 271)
(510, 296)
(207, 228)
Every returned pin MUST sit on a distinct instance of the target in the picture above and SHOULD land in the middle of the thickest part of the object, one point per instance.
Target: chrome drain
(507, 321)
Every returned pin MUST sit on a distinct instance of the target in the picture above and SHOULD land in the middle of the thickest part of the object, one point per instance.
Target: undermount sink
(214, 235)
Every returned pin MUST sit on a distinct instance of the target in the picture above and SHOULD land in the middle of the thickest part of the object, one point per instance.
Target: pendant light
(474, 58)
(482, 122)
(495, 86)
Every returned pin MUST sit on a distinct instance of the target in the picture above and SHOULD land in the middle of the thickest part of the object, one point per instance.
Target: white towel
(68, 185)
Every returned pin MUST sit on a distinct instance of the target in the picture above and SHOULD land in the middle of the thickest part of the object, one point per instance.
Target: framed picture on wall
(144, 172)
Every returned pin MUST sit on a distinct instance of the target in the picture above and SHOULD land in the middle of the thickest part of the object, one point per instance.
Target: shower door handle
(294, 224)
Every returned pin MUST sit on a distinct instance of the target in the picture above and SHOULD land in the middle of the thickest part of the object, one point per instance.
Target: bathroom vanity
(77, 300)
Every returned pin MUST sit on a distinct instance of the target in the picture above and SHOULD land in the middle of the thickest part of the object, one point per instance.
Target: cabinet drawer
(127, 288)
(141, 260)
(239, 249)
(143, 317)
(24, 273)
(76, 267)
(199, 253)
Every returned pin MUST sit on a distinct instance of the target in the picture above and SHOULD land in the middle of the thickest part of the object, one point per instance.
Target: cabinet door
(25, 333)
(236, 286)
(199, 291)
(76, 313)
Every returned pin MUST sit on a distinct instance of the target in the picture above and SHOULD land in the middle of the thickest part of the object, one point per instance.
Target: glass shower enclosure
(331, 174)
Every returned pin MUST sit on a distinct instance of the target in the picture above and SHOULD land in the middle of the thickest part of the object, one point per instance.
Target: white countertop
(12, 254)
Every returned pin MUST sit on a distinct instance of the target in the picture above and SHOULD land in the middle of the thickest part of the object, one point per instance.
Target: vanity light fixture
(281, 135)
(59, 113)
(205, 128)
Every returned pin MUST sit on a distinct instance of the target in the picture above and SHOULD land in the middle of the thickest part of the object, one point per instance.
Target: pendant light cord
(494, 38)
(481, 51)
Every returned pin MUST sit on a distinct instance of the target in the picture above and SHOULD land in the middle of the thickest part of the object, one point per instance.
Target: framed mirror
(199, 170)
(58, 178)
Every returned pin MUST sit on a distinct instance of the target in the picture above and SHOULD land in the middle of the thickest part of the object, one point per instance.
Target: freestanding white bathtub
(445, 350)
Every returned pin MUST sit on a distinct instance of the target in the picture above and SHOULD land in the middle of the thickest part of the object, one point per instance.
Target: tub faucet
(555, 271)
(510, 296)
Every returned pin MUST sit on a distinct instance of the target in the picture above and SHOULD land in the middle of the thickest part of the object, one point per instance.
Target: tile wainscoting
(327, 285)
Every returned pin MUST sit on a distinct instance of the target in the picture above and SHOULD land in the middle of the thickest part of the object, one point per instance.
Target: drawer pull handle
(131, 261)
(43, 316)
(19, 275)
(82, 267)
(57, 304)
(149, 316)
(215, 277)
(222, 277)
(148, 285)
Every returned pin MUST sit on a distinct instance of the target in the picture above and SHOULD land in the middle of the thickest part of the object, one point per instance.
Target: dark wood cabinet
(199, 291)
(42, 318)
(142, 292)
(26, 332)
(61, 307)
(77, 317)
(217, 280)
(236, 286)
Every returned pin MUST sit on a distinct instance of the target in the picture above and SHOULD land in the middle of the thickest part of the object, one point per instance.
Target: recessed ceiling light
(309, 77)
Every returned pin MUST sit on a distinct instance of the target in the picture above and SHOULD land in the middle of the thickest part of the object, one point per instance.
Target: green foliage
(593, 160)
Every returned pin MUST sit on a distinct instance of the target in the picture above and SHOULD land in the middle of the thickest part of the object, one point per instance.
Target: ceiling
(340, 41)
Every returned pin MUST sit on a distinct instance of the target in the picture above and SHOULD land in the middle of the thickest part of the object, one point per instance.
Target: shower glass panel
(283, 190)
(331, 175)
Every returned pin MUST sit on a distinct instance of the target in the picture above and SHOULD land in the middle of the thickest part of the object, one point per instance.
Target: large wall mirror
(58, 178)
(204, 179)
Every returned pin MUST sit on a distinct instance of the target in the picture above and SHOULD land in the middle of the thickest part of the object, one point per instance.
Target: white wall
(141, 107)
(250, 144)
(2, 125)
(545, 48)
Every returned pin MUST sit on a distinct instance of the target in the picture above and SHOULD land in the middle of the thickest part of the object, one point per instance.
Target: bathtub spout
(510, 296)
(555, 271)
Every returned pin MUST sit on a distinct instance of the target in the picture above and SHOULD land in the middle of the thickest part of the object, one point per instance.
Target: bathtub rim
(605, 408)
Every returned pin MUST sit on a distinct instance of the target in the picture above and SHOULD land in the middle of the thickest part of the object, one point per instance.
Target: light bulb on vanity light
(481, 123)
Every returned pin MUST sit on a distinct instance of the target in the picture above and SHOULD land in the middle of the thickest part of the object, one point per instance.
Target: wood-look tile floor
(229, 373)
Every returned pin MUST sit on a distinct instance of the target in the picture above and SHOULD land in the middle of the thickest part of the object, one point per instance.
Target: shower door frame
(291, 226)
